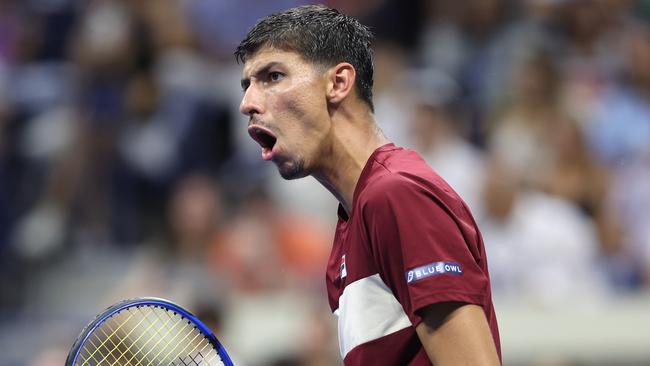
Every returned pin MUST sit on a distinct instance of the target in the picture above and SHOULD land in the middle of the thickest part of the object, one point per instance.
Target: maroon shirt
(410, 241)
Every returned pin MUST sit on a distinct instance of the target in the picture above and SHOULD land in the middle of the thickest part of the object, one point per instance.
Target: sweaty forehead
(267, 55)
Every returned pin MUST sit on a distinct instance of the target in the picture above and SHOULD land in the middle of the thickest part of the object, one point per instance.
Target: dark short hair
(321, 35)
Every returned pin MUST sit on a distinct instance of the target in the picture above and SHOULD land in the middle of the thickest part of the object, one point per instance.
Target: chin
(293, 170)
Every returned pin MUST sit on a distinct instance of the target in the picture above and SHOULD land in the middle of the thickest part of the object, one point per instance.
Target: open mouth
(265, 138)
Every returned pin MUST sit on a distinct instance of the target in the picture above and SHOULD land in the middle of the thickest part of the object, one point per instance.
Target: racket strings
(98, 348)
(147, 336)
(119, 347)
(162, 337)
(156, 329)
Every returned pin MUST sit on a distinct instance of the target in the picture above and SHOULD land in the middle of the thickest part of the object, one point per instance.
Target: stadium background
(126, 170)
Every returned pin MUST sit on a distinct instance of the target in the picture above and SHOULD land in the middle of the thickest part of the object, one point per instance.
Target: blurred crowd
(126, 169)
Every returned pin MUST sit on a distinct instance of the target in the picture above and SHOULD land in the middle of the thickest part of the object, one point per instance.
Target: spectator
(437, 134)
(543, 250)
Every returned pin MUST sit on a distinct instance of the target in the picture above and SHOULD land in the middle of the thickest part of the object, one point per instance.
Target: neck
(354, 137)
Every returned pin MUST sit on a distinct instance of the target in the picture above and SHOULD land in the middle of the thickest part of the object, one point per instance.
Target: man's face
(284, 96)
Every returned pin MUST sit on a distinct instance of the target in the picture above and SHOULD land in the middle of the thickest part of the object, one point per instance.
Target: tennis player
(407, 276)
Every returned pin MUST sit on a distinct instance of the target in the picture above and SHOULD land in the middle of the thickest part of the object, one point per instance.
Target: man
(407, 276)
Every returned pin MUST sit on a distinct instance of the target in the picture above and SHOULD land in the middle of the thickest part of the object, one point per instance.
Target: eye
(245, 84)
(275, 76)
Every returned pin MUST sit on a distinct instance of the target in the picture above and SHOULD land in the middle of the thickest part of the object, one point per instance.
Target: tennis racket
(146, 332)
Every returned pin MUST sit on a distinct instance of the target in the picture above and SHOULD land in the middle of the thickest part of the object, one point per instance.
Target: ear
(341, 78)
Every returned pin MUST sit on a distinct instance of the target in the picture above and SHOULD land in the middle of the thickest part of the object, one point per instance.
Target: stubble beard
(293, 171)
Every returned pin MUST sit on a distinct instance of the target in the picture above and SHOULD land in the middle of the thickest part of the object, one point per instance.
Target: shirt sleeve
(426, 250)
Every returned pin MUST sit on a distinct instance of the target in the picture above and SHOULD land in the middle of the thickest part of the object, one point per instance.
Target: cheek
(300, 109)
(295, 107)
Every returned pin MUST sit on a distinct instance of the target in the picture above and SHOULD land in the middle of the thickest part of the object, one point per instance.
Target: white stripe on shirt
(368, 310)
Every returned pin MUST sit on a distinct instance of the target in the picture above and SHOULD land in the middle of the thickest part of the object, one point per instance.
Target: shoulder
(394, 191)
(416, 189)
(389, 182)
(401, 173)
(400, 168)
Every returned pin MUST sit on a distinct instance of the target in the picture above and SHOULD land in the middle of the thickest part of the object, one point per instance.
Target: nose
(250, 103)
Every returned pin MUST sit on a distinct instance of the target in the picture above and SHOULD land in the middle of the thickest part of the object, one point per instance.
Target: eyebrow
(246, 82)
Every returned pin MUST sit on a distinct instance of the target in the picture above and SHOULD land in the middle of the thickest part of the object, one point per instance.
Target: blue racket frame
(145, 301)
